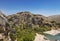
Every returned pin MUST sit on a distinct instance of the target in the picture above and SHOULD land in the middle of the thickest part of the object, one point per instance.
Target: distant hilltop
(55, 18)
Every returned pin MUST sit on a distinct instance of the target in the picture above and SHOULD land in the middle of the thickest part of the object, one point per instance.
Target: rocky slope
(21, 18)
(5, 28)
(30, 19)
(55, 18)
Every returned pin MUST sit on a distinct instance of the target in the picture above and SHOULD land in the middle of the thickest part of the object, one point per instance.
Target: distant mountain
(55, 18)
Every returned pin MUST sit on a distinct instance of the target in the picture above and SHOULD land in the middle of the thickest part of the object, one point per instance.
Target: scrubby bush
(25, 34)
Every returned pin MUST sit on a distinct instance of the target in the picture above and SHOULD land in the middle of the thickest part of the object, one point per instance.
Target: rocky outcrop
(5, 28)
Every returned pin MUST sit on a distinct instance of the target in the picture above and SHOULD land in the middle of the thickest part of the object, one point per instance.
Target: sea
(53, 37)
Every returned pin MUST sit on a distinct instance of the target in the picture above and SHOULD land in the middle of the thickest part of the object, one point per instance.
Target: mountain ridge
(28, 15)
(55, 18)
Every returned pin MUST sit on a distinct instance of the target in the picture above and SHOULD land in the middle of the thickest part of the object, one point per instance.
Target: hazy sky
(44, 7)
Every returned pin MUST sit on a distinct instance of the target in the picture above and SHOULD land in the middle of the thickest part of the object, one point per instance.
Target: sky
(43, 7)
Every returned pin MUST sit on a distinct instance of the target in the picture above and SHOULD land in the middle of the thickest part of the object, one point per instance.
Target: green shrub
(25, 33)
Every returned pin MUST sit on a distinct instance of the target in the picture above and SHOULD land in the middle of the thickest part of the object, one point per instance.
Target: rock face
(3, 22)
(5, 28)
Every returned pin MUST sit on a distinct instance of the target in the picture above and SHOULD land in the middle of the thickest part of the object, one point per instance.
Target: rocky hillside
(5, 28)
(20, 22)
(30, 19)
